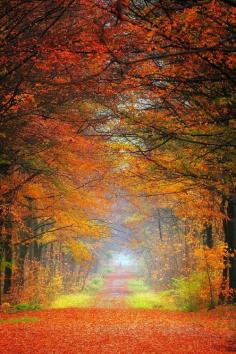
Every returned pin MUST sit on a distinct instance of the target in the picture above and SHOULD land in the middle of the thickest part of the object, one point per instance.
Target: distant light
(123, 260)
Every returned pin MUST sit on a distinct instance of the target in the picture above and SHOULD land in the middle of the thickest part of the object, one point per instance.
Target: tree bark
(1, 258)
(8, 256)
(208, 236)
(230, 238)
(22, 252)
(229, 273)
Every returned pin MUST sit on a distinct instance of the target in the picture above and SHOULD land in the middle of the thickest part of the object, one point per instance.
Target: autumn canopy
(117, 113)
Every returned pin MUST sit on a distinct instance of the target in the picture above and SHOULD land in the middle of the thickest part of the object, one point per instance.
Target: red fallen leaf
(73, 331)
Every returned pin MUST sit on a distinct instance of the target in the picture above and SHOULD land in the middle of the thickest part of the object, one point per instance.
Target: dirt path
(114, 291)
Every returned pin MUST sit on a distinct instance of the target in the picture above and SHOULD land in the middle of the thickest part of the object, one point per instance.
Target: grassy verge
(24, 319)
(73, 300)
(138, 286)
(26, 307)
(83, 299)
(94, 285)
(143, 297)
(151, 300)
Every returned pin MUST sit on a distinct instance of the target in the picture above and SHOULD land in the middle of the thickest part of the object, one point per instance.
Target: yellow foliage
(79, 251)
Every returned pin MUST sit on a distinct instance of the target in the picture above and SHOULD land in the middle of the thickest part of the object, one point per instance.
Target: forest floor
(110, 327)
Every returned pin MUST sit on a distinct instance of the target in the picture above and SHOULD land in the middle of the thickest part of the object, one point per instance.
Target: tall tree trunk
(159, 224)
(229, 273)
(1, 259)
(22, 252)
(8, 255)
(37, 251)
(230, 238)
(51, 260)
(208, 236)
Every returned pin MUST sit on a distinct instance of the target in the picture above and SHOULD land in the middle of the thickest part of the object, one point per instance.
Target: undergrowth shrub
(201, 288)
(54, 287)
(191, 293)
(40, 287)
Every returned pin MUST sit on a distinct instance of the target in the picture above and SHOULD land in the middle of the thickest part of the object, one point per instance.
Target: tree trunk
(37, 251)
(51, 260)
(8, 256)
(230, 238)
(208, 236)
(159, 224)
(22, 252)
(229, 273)
(1, 259)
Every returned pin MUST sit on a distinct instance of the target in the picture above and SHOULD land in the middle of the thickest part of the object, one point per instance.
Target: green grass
(73, 300)
(19, 320)
(94, 285)
(151, 300)
(85, 298)
(107, 270)
(143, 297)
(138, 286)
(26, 307)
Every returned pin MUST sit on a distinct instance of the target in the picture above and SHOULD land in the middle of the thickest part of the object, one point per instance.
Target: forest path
(118, 331)
(114, 291)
